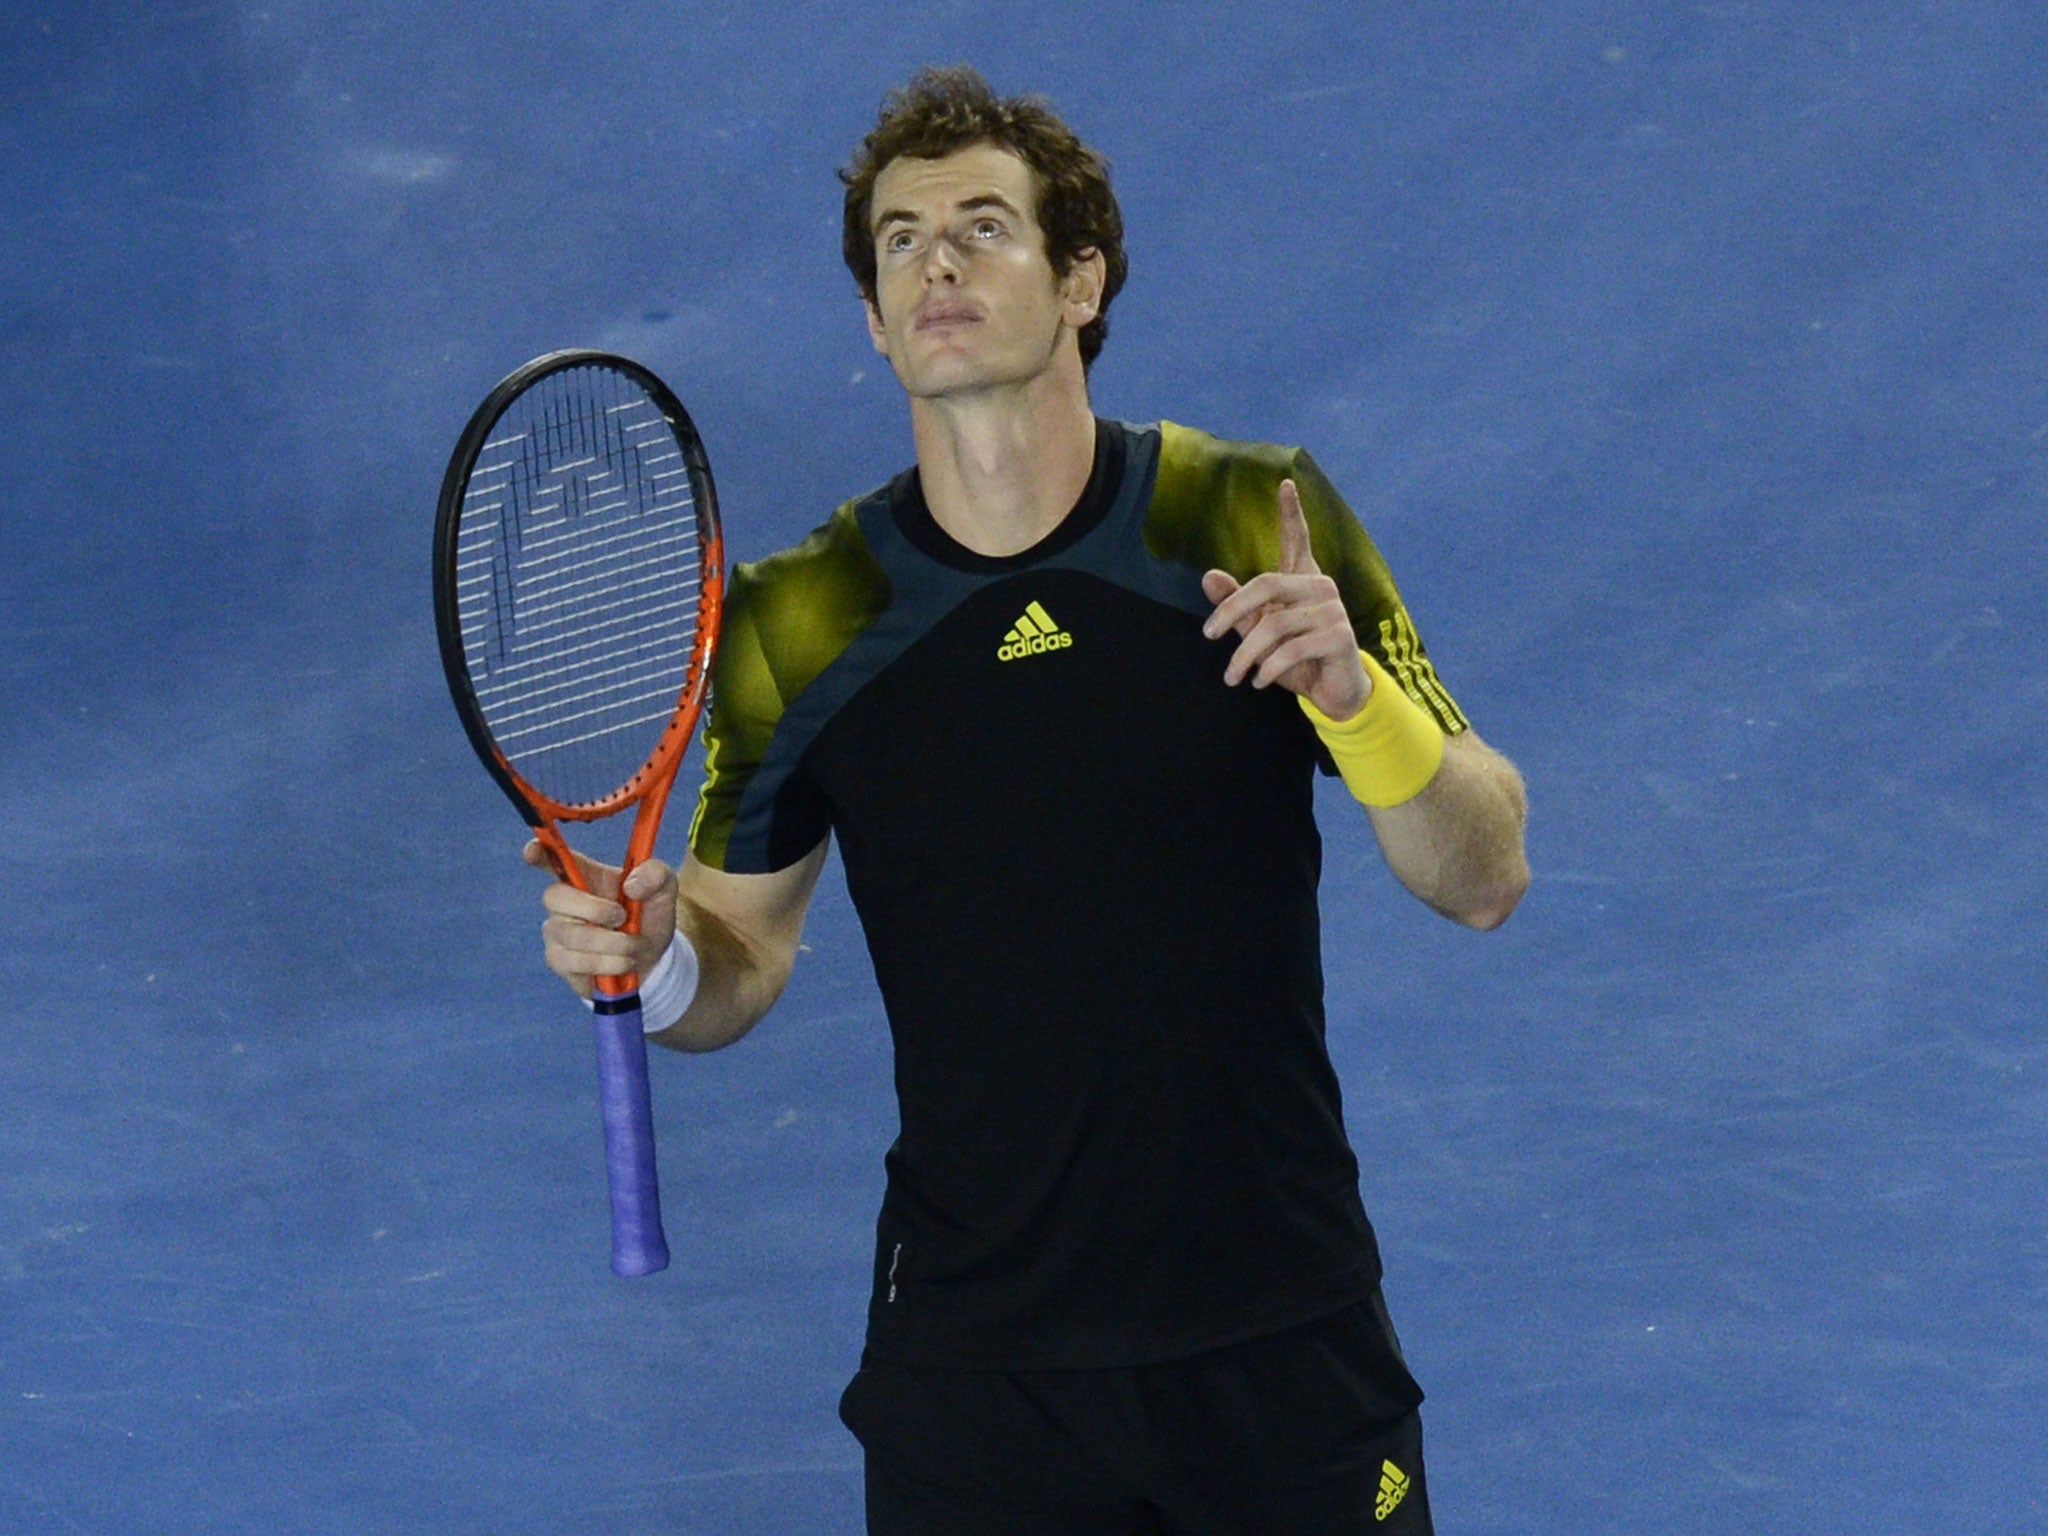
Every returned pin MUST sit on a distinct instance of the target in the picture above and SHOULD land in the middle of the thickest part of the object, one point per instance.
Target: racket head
(578, 584)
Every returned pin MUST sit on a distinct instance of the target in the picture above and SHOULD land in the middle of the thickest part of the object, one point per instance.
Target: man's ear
(876, 333)
(1081, 288)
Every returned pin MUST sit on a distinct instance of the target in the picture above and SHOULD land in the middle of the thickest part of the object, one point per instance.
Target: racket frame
(649, 786)
(638, 1246)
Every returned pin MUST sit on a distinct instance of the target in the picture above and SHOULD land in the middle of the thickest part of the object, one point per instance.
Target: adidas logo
(1393, 1489)
(1033, 635)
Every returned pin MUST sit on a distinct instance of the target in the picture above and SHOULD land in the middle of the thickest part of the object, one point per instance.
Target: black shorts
(1310, 1432)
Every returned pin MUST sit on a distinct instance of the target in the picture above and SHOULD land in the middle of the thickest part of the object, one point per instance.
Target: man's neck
(1001, 469)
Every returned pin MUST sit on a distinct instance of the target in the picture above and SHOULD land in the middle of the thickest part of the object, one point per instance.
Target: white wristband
(667, 990)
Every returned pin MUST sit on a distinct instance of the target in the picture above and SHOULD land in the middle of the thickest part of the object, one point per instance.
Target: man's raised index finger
(1296, 556)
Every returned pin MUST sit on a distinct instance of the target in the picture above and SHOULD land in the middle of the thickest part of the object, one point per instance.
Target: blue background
(1687, 361)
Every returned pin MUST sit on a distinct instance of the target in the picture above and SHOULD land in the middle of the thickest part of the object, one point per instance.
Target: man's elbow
(1486, 906)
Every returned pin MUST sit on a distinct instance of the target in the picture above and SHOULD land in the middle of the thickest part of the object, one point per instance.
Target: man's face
(965, 299)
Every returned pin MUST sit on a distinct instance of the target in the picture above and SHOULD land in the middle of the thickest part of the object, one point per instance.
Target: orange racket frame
(638, 1243)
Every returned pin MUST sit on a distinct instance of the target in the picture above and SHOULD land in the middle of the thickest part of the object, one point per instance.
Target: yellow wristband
(1389, 750)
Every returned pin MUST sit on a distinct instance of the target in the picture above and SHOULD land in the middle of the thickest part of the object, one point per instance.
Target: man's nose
(942, 259)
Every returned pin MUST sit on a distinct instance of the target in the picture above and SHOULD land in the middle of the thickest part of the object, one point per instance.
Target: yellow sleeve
(1216, 504)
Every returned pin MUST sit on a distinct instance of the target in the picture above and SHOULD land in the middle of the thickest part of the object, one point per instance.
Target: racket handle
(638, 1246)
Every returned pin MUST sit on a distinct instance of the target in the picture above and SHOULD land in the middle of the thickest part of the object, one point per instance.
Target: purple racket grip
(638, 1246)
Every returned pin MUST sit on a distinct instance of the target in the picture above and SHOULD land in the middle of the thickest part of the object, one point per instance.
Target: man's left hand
(1291, 624)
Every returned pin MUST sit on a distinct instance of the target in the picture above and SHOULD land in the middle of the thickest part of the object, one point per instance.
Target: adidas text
(1034, 633)
(1394, 1485)
(1037, 645)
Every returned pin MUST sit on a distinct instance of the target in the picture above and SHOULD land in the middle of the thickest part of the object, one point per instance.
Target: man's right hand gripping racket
(578, 578)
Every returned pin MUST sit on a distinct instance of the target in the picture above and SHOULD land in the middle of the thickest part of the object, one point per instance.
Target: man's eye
(987, 229)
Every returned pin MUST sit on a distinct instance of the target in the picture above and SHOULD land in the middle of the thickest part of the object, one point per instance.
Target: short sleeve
(787, 620)
(745, 709)
(1216, 504)
(1347, 554)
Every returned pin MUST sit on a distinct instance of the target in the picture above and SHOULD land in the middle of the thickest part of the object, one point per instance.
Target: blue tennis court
(1689, 364)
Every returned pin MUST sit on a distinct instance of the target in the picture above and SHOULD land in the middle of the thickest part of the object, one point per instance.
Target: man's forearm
(1458, 844)
(746, 931)
(736, 984)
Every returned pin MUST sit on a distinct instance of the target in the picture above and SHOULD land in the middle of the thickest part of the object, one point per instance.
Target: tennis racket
(578, 578)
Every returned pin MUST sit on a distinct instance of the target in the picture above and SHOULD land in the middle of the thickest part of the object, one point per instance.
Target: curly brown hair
(942, 111)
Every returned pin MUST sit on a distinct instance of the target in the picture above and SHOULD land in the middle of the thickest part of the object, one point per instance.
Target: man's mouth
(945, 313)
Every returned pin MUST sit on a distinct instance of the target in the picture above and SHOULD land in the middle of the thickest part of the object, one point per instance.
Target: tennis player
(1061, 691)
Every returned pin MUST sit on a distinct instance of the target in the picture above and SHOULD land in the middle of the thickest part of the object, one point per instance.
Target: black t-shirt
(1087, 874)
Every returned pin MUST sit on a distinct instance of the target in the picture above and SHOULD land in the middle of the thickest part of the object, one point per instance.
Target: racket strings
(579, 563)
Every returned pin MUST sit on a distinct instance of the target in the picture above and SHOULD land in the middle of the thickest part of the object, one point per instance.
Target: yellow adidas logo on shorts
(1033, 634)
(1394, 1484)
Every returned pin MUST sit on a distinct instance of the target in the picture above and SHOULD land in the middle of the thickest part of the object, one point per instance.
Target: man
(1061, 692)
